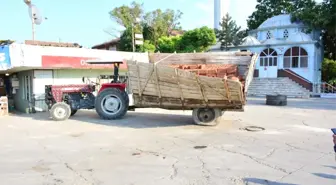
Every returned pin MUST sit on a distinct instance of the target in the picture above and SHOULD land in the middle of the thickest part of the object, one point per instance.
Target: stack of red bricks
(213, 70)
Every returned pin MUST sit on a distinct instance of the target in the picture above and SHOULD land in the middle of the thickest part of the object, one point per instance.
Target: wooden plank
(157, 84)
(168, 102)
(149, 76)
(179, 86)
(249, 73)
(139, 83)
(227, 90)
(201, 89)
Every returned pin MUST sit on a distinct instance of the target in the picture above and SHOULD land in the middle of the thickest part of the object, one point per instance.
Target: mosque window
(269, 57)
(285, 34)
(296, 57)
(269, 35)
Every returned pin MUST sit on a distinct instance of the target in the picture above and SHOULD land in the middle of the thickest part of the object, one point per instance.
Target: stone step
(264, 86)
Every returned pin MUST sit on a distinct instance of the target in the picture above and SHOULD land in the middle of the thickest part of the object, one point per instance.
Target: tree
(320, 16)
(329, 71)
(147, 47)
(169, 44)
(269, 8)
(127, 15)
(125, 43)
(199, 39)
(229, 33)
(153, 25)
(161, 23)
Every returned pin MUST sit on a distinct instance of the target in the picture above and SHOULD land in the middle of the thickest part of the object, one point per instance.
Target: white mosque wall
(311, 73)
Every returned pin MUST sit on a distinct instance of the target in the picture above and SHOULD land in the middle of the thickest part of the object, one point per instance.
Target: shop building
(26, 69)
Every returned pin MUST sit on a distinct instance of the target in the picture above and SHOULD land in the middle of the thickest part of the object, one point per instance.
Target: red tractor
(111, 102)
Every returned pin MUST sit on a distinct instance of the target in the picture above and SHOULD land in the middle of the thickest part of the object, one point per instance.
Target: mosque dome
(283, 20)
(250, 41)
(299, 37)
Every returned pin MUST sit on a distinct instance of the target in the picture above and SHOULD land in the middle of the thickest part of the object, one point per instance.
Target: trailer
(159, 85)
(165, 83)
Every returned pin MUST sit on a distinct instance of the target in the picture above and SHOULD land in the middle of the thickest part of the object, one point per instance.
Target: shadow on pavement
(312, 103)
(264, 181)
(332, 167)
(326, 176)
(131, 120)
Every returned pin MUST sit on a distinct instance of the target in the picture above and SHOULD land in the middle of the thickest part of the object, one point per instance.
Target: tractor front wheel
(60, 111)
(112, 103)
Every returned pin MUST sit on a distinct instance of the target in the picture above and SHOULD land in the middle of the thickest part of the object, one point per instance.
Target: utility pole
(29, 3)
(33, 27)
(133, 40)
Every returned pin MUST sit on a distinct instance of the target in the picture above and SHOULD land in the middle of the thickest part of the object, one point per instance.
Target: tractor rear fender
(120, 86)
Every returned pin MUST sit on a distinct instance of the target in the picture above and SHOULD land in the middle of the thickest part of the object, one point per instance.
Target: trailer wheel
(112, 104)
(207, 116)
(73, 112)
(60, 111)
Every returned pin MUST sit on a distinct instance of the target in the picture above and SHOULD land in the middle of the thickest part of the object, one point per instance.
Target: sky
(84, 22)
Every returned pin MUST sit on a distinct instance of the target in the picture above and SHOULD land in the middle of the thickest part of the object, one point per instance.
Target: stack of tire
(276, 100)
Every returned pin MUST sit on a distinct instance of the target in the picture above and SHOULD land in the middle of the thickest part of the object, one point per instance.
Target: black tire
(60, 111)
(276, 100)
(207, 116)
(73, 112)
(118, 104)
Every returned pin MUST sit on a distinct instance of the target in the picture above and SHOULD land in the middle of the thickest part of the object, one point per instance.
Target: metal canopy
(104, 61)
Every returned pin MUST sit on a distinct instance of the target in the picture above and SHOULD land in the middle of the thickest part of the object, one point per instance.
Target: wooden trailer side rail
(166, 87)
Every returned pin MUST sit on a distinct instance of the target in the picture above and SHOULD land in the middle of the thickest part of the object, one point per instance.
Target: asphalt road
(158, 147)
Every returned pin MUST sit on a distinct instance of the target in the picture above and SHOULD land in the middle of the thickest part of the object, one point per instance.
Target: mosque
(284, 46)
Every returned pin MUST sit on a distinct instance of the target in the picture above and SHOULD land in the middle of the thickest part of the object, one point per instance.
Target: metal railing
(325, 88)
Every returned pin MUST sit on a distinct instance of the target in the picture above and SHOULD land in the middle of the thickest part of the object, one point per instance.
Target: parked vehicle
(159, 85)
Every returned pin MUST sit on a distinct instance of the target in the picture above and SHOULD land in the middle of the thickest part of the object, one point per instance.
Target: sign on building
(4, 58)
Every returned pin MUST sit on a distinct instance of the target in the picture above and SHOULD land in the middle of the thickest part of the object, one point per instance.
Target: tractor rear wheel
(207, 116)
(60, 111)
(112, 103)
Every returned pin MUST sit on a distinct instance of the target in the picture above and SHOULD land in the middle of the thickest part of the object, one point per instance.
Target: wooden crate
(3, 106)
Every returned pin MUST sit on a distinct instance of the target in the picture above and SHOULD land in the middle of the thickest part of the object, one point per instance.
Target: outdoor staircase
(261, 87)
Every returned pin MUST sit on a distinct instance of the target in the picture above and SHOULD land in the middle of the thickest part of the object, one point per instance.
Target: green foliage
(147, 47)
(199, 40)
(153, 25)
(169, 44)
(320, 16)
(125, 43)
(161, 23)
(230, 33)
(268, 8)
(329, 71)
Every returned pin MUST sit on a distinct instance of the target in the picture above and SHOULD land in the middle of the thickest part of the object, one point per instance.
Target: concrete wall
(31, 56)
(20, 103)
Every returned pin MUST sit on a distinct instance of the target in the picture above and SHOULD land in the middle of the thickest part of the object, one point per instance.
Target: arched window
(296, 57)
(269, 57)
